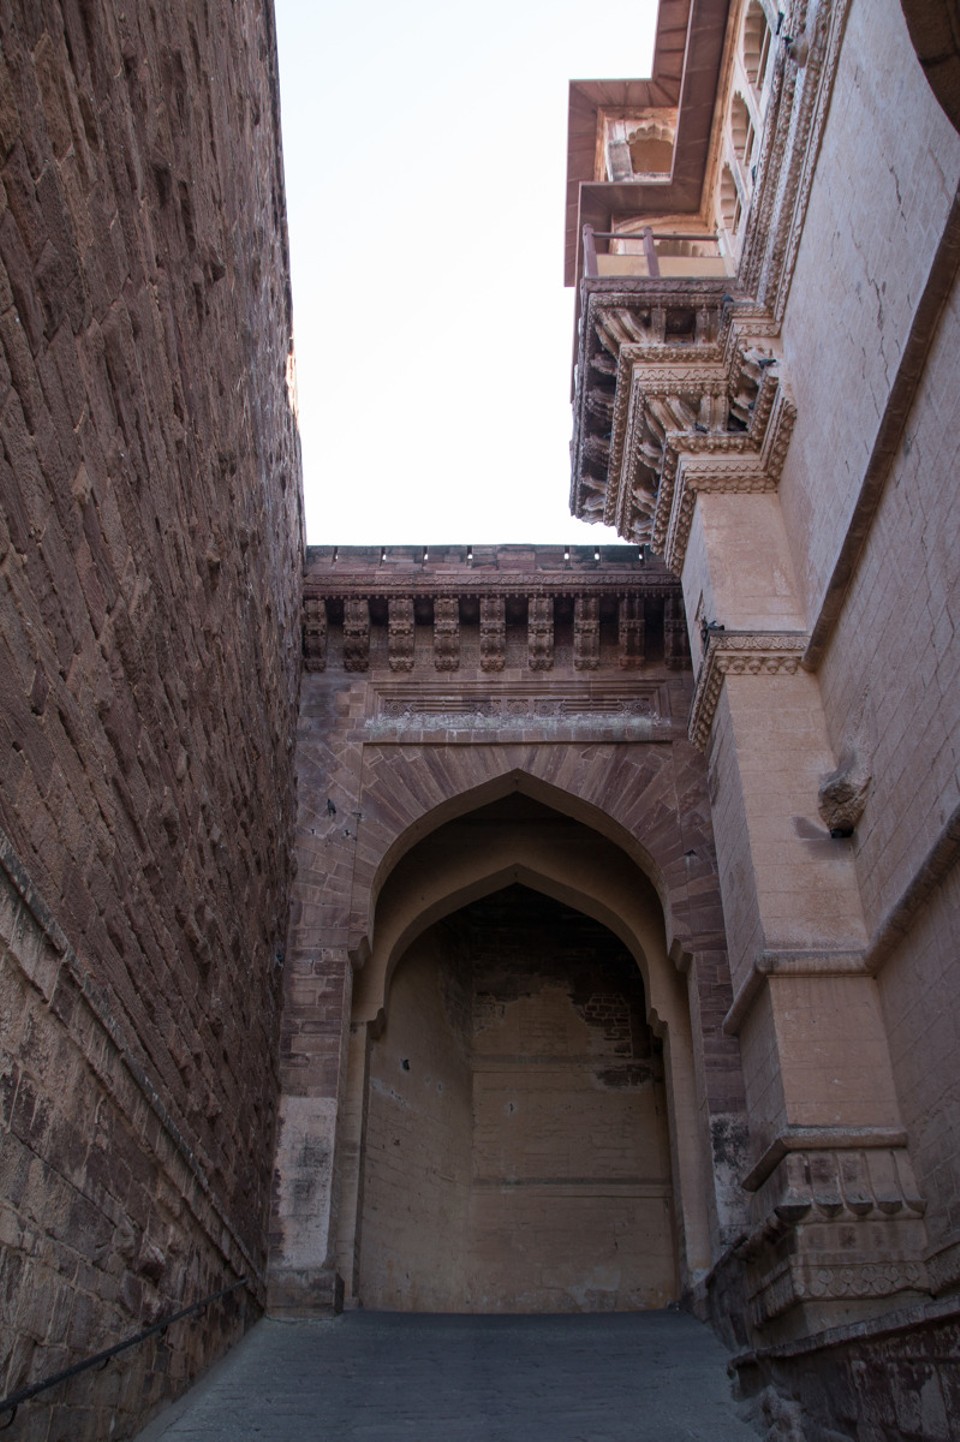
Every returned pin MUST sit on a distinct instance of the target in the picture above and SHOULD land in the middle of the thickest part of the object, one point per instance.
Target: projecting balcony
(656, 255)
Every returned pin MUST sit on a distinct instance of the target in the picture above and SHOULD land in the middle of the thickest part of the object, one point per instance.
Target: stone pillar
(837, 1222)
(303, 1278)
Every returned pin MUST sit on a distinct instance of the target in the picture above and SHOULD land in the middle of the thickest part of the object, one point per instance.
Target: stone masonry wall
(873, 245)
(438, 683)
(150, 547)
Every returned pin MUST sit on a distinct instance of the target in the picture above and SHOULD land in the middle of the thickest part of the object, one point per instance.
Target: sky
(425, 157)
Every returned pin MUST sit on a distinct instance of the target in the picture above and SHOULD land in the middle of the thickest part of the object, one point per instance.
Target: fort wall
(150, 546)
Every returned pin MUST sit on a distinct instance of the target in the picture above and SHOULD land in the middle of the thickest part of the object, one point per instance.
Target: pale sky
(425, 156)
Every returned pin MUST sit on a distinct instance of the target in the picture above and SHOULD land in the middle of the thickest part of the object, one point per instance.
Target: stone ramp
(384, 1377)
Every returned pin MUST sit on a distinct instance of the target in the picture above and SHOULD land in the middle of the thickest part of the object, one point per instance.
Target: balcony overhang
(686, 69)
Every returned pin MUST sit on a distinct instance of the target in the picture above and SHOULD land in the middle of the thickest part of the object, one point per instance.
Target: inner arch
(516, 1152)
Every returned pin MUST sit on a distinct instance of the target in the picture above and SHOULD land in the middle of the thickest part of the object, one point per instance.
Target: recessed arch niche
(522, 1130)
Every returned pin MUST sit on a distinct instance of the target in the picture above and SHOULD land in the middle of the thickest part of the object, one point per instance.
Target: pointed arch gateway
(521, 1129)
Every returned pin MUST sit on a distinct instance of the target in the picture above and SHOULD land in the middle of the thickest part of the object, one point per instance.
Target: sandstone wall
(419, 706)
(881, 237)
(150, 547)
(523, 1163)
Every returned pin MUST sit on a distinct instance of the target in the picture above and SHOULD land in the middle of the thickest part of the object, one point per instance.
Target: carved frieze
(586, 633)
(314, 633)
(400, 633)
(631, 633)
(493, 633)
(446, 633)
(752, 653)
(356, 633)
(540, 632)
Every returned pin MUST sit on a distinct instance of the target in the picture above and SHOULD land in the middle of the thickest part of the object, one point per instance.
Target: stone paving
(383, 1377)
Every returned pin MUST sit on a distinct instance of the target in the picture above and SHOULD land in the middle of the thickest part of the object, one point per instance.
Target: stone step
(383, 1377)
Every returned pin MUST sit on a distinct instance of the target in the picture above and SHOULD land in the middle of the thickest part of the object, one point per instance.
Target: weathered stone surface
(150, 538)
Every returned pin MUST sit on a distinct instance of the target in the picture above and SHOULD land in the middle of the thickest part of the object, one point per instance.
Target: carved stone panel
(356, 634)
(493, 633)
(540, 633)
(586, 633)
(400, 633)
(446, 633)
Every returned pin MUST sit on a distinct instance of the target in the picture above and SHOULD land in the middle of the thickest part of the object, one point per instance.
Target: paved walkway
(386, 1377)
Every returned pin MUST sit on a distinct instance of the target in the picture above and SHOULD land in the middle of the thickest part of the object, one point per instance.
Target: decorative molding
(400, 633)
(493, 633)
(807, 1140)
(738, 653)
(446, 633)
(604, 580)
(356, 634)
(794, 964)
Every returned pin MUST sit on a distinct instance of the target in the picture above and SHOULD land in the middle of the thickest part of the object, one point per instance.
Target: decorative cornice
(754, 653)
(371, 585)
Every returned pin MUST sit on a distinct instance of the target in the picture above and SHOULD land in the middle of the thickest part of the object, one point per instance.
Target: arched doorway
(516, 1153)
(521, 1130)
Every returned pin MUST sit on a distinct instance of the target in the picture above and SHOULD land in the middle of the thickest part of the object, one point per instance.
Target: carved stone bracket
(314, 633)
(446, 633)
(540, 632)
(631, 629)
(676, 643)
(356, 634)
(586, 633)
(659, 418)
(400, 632)
(493, 633)
(741, 653)
(838, 1223)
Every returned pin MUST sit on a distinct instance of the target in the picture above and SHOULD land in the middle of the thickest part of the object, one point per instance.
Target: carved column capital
(754, 653)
